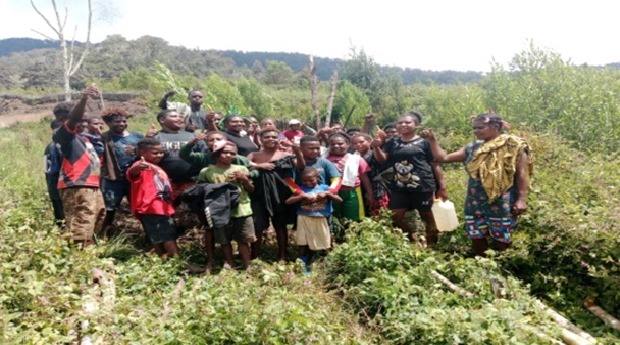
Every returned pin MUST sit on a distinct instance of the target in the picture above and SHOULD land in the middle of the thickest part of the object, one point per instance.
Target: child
(241, 226)
(315, 206)
(380, 192)
(151, 197)
(272, 188)
(353, 169)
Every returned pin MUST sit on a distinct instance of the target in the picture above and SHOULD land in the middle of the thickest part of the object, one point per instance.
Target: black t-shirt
(178, 170)
(245, 145)
(410, 161)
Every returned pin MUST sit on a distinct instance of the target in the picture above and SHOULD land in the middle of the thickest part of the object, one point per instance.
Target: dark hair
(267, 130)
(417, 117)
(189, 94)
(308, 139)
(491, 119)
(389, 125)
(353, 129)
(210, 133)
(339, 134)
(309, 170)
(109, 114)
(63, 109)
(146, 143)
(363, 135)
(227, 118)
(164, 113)
(92, 117)
(55, 124)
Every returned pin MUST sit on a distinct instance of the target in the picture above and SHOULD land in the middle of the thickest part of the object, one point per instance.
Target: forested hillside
(32, 63)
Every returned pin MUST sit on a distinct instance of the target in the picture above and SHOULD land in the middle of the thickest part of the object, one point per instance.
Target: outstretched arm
(77, 112)
(163, 102)
(439, 155)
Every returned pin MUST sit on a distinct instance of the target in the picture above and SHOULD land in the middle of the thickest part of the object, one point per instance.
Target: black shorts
(421, 201)
(158, 228)
(279, 220)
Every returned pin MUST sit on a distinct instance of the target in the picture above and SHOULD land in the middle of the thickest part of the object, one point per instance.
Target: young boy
(151, 198)
(315, 206)
(277, 169)
(241, 227)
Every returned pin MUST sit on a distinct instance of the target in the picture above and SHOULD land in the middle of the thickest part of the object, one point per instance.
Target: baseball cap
(294, 122)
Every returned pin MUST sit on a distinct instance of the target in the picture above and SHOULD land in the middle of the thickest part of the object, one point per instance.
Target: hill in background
(33, 63)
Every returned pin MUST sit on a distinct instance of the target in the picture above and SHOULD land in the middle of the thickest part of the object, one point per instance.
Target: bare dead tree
(330, 100)
(70, 64)
(313, 93)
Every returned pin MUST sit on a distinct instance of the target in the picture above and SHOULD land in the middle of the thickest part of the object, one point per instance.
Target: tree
(69, 64)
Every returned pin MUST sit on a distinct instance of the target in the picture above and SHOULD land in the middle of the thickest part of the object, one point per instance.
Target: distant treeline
(29, 62)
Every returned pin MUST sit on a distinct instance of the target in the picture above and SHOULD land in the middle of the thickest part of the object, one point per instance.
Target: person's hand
(152, 131)
(171, 92)
(239, 176)
(310, 198)
(130, 150)
(442, 193)
(380, 133)
(296, 147)
(91, 91)
(211, 115)
(376, 143)
(321, 196)
(200, 137)
(370, 201)
(284, 142)
(265, 166)
(519, 207)
(369, 117)
(428, 135)
(97, 130)
(143, 165)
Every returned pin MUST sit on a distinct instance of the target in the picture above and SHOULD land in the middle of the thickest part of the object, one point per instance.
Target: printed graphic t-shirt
(151, 192)
(411, 163)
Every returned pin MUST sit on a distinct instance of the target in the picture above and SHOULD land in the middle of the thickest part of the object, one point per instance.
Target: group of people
(240, 179)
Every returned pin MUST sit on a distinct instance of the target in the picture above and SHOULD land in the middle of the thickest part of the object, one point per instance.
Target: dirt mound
(15, 109)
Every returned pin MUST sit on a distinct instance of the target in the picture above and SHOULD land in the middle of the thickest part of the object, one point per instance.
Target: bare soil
(13, 110)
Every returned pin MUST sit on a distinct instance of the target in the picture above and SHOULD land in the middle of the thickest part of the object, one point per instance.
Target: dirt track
(15, 110)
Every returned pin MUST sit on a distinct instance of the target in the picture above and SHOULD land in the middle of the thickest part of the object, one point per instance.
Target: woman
(416, 175)
(499, 170)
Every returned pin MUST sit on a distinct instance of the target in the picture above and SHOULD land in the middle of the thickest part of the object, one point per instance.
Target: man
(120, 152)
(78, 183)
(195, 116)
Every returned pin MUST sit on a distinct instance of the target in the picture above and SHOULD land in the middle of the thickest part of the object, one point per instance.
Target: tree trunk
(330, 101)
(313, 94)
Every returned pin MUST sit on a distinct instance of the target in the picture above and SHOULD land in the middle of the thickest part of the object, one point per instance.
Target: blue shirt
(327, 170)
(321, 208)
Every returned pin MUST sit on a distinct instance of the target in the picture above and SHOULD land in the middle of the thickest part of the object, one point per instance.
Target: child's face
(361, 144)
(211, 139)
(338, 146)
(153, 154)
(310, 180)
(269, 139)
(311, 150)
(95, 126)
(228, 155)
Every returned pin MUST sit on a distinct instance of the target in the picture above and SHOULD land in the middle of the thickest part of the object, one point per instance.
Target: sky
(461, 35)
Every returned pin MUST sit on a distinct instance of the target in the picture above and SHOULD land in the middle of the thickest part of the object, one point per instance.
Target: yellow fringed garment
(494, 164)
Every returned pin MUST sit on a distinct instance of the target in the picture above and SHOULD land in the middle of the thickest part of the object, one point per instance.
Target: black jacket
(212, 202)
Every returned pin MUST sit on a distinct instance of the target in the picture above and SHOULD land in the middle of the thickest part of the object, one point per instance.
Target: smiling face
(338, 145)
(173, 121)
(118, 124)
(152, 154)
(269, 139)
(235, 124)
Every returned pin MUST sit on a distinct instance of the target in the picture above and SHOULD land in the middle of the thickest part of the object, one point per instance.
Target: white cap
(294, 122)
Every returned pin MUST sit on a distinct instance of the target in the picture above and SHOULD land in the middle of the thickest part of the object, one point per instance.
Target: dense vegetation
(376, 288)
